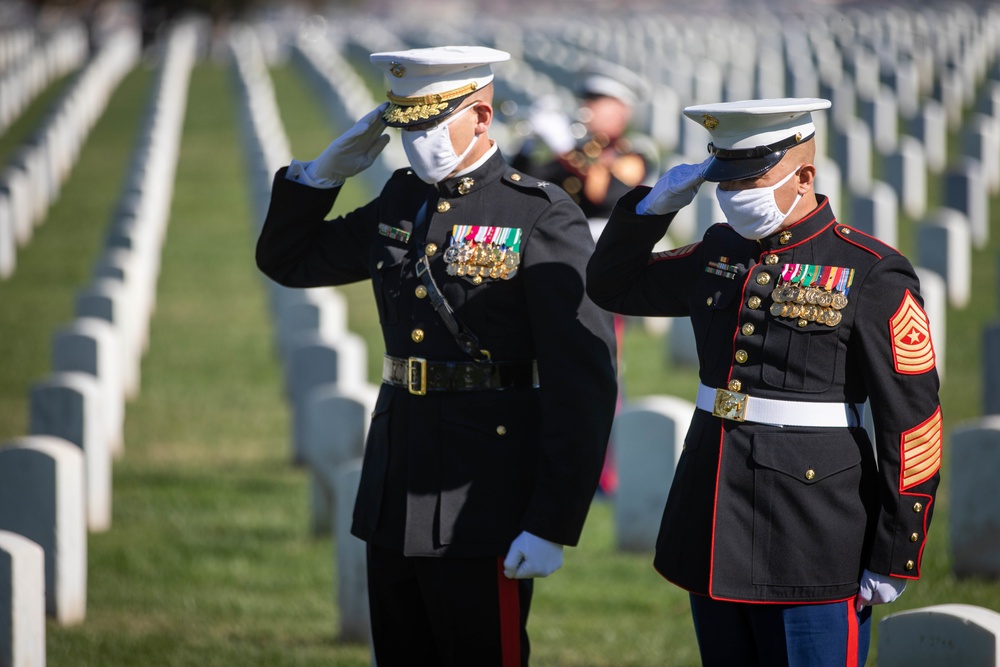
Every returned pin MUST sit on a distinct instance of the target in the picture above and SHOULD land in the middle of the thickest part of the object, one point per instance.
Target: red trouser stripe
(852, 634)
(510, 618)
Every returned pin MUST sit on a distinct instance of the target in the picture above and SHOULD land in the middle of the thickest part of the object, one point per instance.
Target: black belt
(420, 376)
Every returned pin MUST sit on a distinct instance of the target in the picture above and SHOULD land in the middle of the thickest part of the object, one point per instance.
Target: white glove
(352, 152)
(532, 556)
(551, 125)
(674, 190)
(878, 589)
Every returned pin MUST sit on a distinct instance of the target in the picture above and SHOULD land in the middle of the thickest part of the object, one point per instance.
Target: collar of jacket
(488, 172)
(819, 219)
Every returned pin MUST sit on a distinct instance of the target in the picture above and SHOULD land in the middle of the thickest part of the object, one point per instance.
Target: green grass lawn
(209, 560)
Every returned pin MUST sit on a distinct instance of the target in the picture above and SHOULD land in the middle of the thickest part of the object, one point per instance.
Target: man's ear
(807, 177)
(484, 116)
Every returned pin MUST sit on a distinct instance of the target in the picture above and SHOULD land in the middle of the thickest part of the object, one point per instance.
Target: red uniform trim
(510, 618)
(852, 635)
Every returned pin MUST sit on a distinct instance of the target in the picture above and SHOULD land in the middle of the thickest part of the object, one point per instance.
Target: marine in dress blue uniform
(784, 521)
(489, 432)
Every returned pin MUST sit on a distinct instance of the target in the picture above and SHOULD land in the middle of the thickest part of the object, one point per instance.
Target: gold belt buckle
(420, 365)
(730, 405)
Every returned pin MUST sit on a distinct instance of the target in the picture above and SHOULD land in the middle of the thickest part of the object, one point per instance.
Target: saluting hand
(531, 556)
(352, 152)
(675, 190)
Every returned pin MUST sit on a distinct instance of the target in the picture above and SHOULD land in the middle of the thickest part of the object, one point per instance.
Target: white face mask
(754, 213)
(431, 153)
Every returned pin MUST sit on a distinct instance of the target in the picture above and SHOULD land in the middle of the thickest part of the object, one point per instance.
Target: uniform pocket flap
(806, 457)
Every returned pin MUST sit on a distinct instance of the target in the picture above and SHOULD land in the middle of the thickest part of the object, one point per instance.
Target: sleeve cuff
(299, 172)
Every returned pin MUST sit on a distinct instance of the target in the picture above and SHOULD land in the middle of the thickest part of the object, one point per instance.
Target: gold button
(380, 264)
(501, 430)
(735, 385)
(741, 356)
(421, 291)
(753, 303)
(515, 177)
(810, 474)
(709, 301)
(444, 206)
(917, 507)
(763, 278)
(431, 249)
(914, 537)
(803, 323)
(845, 230)
(909, 565)
(771, 259)
(747, 329)
(785, 238)
(417, 335)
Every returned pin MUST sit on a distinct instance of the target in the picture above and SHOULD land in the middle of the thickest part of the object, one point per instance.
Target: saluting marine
(783, 520)
(498, 386)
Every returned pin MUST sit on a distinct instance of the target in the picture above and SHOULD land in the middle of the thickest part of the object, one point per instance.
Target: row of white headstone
(55, 484)
(30, 184)
(30, 61)
(324, 364)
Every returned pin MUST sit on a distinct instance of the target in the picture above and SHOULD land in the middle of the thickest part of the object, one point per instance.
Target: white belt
(740, 407)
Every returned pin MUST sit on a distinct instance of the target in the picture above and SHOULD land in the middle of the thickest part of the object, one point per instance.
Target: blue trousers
(734, 634)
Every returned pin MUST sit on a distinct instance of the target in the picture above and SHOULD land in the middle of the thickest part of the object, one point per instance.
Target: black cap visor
(737, 164)
(721, 169)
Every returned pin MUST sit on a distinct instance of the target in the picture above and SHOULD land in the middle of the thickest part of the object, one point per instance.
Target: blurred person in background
(594, 154)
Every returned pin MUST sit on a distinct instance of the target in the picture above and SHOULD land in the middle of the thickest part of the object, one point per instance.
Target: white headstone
(647, 438)
(68, 406)
(852, 149)
(106, 299)
(89, 345)
(875, 212)
(965, 191)
(316, 360)
(351, 564)
(981, 142)
(8, 236)
(829, 182)
(22, 601)
(931, 128)
(881, 114)
(335, 425)
(948, 634)
(944, 246)
(935, 295)
(42, 498)
(682, 347)
(906, 172)
(974, 456)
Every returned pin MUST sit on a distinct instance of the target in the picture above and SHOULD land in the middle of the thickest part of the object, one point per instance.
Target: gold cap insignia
(397, 70)
(710, 122)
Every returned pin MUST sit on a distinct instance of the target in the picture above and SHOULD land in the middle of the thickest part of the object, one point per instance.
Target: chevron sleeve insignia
(912, 350)
(920, 452)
